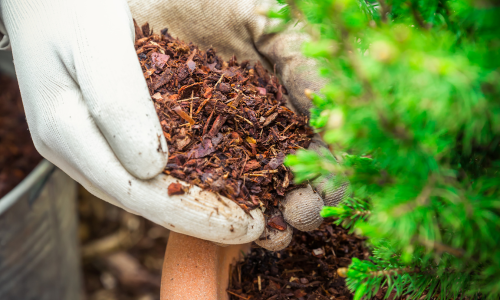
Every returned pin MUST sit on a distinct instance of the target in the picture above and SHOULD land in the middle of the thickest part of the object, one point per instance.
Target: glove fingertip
(145, 160)
(275, 240)
(332, 190)
(301, 209)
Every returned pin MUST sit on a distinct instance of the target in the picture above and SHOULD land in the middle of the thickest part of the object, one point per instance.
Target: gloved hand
(89, 113)
(236, 27)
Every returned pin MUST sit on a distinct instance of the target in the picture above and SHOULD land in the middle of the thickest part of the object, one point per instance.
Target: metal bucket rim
(41, 170)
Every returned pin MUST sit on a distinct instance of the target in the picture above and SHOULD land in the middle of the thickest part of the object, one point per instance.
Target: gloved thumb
(301, 208)
(116, 93)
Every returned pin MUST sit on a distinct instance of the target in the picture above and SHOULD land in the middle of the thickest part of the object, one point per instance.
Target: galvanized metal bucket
(39, 251)
(39, 256)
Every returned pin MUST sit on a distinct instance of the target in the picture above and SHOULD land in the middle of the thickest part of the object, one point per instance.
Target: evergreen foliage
(413, 95)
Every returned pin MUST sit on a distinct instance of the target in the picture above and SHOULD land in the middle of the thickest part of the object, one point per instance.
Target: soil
(306, 269)
(18, 156)
(226, 123)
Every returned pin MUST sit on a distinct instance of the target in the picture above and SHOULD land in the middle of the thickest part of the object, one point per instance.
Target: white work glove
(89, 113)
(236, 27)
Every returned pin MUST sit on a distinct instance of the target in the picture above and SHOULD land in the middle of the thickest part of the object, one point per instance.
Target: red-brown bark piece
(251, 165)
(277, 222)
(159, 59)
(219, 121)
(164, 79)
(186, 91)
(270, 119)
(176, 188)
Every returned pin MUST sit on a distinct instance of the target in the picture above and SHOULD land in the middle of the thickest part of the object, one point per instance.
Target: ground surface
(122, 254)
(307, 269)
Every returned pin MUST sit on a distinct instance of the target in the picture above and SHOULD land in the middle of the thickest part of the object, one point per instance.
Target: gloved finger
(301, 209)
(90, 161)
(114, 89)
(273, 239)
(332, 188)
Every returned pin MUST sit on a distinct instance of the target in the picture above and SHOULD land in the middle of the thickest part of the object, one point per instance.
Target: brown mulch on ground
(227, 128)
(18, 156)
(305, 270)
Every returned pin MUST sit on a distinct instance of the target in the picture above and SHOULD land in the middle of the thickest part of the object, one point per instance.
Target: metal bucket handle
(33, 184)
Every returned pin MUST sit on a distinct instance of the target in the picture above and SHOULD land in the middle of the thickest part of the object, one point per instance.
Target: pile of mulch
(305, 270)
(226, 124)
(18, 156)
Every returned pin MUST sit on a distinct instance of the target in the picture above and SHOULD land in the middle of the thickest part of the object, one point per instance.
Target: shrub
(413, 97)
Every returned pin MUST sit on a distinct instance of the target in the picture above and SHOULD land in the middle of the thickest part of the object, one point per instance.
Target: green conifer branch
(413, 97)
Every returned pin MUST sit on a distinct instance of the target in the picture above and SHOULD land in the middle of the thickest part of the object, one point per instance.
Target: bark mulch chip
(305, 270)
(225, 122)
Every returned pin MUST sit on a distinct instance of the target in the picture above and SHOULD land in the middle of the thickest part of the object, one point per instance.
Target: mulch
(122, 257)
(18, 156)
(226, 123)
(307, 269)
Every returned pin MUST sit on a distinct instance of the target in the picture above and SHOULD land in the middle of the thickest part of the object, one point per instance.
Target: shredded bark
(226, 123)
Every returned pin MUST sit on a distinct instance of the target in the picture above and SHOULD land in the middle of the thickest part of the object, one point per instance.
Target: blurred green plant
(413, 95)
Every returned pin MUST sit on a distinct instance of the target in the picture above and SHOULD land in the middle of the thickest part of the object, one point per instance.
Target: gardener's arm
(235, 27)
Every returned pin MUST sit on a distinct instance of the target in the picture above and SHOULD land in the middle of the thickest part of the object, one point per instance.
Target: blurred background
(122, 254)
